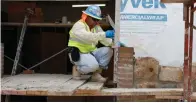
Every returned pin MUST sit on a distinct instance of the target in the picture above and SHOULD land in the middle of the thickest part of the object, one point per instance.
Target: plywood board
(142, 91)
(89, 88)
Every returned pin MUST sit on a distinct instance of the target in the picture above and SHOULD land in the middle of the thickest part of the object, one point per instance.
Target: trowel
(113, 26)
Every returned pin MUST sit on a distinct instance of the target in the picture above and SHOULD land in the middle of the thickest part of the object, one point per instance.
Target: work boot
(96, 77)
(75, 74)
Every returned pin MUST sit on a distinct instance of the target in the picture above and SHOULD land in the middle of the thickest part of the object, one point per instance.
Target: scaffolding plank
(32, 84)
(67, 88)
(142, 91)
(169, 97)
(89, 88)
(193, 97)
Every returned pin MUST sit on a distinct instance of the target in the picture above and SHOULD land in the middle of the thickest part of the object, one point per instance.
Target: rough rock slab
(146, 67)
(171, 74)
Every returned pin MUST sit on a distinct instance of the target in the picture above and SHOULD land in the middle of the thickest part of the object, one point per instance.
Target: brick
(126, 60)
(124, 80)
(124, 65)
(125, 85)
(125, 71)
(125, 75)
(167, 85)
(143, 98)
(146, 84)
(124, 99)
(127, 52)
(136, 99)
(171, 74)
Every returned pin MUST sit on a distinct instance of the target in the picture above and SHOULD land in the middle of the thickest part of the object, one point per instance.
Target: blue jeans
(99, 58)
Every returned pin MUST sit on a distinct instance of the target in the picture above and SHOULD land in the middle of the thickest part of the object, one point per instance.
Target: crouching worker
(84, 36)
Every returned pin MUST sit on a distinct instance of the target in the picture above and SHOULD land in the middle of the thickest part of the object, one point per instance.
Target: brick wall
(145, 72)
(125, 68)
(125, 71)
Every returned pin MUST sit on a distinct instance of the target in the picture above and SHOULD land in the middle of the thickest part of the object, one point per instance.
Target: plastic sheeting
(155, 29)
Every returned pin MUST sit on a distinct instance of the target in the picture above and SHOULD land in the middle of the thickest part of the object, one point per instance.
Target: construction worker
(84, 36)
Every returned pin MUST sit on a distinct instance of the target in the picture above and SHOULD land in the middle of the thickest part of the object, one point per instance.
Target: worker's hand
(120, 44)
(109, 33)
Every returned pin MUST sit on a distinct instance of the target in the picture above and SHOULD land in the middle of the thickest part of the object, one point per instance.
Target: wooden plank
(89, 88)
(168, 97)
(42, 84)
(32, 80)
(141, 91)
(42, 88)
(67, 88)
(33, 84)
(193, 97)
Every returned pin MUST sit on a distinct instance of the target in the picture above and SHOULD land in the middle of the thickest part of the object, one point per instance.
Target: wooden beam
(68, 88)
(169, 97)
(193, 97)
(41, 84)
(142, 91)
(89, 89)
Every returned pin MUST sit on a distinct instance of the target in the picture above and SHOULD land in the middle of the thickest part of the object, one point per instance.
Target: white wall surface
(158, 32)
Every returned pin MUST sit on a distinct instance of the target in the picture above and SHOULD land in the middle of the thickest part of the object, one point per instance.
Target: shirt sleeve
(105, 41)
(80, 32)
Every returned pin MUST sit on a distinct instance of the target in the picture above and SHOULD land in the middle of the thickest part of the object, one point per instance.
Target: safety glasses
(95, 20)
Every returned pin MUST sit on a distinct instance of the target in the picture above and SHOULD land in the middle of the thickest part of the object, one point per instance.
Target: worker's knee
(107, 50)
(90, 68)
(93, 67)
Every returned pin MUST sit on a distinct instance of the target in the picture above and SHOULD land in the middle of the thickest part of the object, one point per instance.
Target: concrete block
(171, 74)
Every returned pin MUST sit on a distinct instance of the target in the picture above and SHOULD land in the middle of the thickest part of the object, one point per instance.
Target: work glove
(120, 44)
(109, 33)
